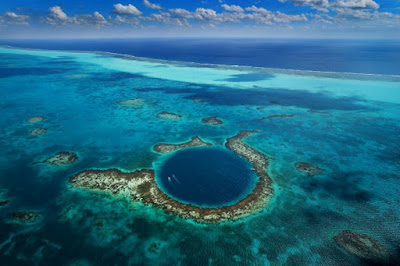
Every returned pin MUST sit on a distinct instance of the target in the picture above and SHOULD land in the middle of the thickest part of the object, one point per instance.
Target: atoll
(135, 102)
(309, 169)
(38, 131)
(35, 119)
(274, 116)
(63, 157)
(212, 121)
(169, 116)
(363, 247)
(167, 148)
(24, 216)
(141, 186)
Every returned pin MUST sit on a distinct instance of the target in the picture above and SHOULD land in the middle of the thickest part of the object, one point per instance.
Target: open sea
(332, 103)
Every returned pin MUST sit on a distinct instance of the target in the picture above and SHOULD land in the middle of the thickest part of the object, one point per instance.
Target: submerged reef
(212, 121)
(309, 169)
(63, 157)
(169, 116)
(141, 186)
(25, 216)
(38, 131)
(167, 148)
(363, 247)
(274, 116)
(316, 111)
(36, 119)
(4, 202)
(135, 102)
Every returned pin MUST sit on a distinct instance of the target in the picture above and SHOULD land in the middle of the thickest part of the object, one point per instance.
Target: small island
(63, 157)
(140, 185)
(363, 247)
(167, 148)
(309, 169)
(213, 120)
(169, 116)
(35, 119)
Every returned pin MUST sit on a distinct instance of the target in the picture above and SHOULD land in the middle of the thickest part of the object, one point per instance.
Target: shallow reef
(364, 247)
(140, 186)
(169, 116)
(309, 169)
(167, 148)
(25, 216)
(275, 116)
(4, 202)
(36, 119)
(213, 120)
(38, 131)
(135, 102)
(63, 157)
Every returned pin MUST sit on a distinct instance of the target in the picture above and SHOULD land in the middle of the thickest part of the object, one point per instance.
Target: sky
(376, 19)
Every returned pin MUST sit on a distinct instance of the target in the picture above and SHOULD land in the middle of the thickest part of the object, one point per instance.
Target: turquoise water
(353, 133)
(208, 177)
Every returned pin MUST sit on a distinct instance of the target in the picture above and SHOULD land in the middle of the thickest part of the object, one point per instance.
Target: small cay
(135, 102)
(38, 131)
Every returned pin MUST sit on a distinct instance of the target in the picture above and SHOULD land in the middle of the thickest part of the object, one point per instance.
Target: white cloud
(57, 16)
(126, 10)
(13, 18)
(357, 4)
(326, 5)
(151, 5)
(232, 8)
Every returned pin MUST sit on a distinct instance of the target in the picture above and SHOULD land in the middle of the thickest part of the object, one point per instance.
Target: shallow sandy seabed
(140, 185)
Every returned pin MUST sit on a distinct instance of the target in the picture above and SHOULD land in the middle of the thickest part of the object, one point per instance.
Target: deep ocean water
(348, 125)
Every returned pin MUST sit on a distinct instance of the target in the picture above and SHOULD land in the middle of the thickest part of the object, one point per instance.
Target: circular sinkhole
(207, 177)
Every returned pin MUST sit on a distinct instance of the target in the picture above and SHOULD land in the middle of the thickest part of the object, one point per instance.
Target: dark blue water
(207, 177)
(359, 56)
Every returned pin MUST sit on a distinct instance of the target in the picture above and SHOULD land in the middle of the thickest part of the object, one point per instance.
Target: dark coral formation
(169, 116)
(167, 148)
(38, 131)
(363, 247)
(274, 116)
(213, 120)
(4, 202)
(24, 216)
(63, 157)
(154, 247)
(35, 119)
(140, 186)
(135, 102)
(309, 169)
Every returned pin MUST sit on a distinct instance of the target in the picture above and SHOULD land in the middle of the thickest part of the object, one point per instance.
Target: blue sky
(207, 18)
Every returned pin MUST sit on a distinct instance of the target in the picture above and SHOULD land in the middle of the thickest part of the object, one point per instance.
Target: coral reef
(25, 216)
(274, 116)
(36, 119)
(167, 148)
(4, 202)
(135, 102)
(309, 169)
(140, 186)
(63, 157)
(363, 247)
(212, 121)
(38, 131)
(169, 116)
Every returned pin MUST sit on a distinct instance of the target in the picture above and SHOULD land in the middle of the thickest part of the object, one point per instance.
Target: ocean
(332, 106)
